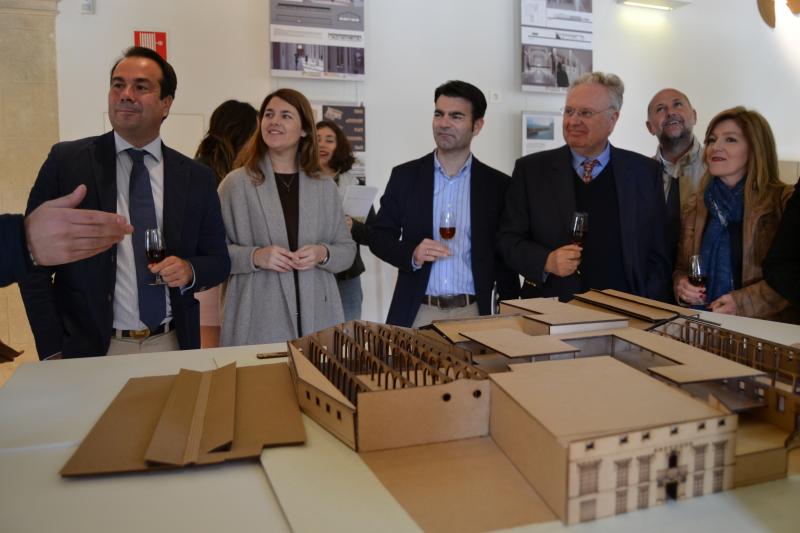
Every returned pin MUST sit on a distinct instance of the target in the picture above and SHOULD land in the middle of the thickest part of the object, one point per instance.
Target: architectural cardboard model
(604, 421)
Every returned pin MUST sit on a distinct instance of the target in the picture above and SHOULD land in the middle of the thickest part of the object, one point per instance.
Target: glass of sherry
(447, 224)
(697, 271)
(154, 250)
(580, 225)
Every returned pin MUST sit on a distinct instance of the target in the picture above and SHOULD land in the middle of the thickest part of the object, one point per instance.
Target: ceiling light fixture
(662, 5)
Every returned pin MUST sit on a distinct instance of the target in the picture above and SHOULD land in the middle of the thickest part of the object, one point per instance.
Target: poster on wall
(352, 119)
(556, 43)
(541, 130)
(317, 39)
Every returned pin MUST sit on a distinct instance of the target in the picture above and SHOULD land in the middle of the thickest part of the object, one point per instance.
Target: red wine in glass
(697, 272)
(698, 281)
(155, 250)
(447, 224)
(580, 227)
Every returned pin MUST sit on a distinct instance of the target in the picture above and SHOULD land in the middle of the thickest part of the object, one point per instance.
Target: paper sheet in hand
(358, 199)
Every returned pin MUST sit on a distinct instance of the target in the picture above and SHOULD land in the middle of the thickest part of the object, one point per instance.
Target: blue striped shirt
(452, 275)
(603, 158)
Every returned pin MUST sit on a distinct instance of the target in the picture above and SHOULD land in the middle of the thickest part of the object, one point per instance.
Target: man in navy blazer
(93, 307)
(440, 278)
(626, 246)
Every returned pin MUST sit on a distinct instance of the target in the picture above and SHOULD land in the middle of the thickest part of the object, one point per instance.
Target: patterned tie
(152, 306)
(588, 166)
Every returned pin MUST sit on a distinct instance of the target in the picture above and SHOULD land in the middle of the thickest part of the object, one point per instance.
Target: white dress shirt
(126, 295)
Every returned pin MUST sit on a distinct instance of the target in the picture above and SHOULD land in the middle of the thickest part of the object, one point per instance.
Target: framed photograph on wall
(556, 40)
(317, 39)
(541, 130)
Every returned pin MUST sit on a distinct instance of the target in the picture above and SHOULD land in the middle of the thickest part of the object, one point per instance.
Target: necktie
(588, 166)
(152, 306)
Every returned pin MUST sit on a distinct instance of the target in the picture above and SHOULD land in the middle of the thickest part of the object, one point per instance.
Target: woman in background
(731, 221)
(286, 232)
(231, 125)
(336, 159)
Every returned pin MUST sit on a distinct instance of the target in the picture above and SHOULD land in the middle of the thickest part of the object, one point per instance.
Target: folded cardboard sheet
(192, 418)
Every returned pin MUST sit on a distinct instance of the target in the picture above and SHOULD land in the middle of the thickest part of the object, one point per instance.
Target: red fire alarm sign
(155, 40)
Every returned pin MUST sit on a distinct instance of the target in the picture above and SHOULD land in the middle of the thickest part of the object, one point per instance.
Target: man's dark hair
(168, 81)
(467, 91)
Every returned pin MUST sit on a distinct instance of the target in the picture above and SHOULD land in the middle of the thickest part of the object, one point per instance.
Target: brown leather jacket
(755, 299)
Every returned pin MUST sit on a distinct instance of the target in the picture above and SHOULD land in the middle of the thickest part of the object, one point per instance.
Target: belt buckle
(140, 333)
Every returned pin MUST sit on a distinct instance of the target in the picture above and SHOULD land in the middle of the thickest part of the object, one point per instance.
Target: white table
(47, 408)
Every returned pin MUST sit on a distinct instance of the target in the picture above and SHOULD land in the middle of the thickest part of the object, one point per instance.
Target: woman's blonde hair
(307, 151)
(762, 159)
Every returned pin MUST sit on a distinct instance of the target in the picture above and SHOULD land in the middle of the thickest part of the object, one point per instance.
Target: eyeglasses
(583, 112)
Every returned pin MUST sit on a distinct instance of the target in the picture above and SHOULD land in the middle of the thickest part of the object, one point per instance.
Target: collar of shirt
(153, 148)
(465, 170)
(689, 158)
(603, 158)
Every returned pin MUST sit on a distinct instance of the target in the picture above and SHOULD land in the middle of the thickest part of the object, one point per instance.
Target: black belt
(141, 333)
(449, 302)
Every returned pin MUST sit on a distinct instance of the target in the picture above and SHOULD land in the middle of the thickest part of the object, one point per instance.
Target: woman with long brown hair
(731, 221)
(286, 232)
(336, 160)
(232, 124)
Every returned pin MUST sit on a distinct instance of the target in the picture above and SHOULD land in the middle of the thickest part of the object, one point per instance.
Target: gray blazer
(258, 306)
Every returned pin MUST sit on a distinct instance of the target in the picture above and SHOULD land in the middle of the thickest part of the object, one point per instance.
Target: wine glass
(447, 224)
(447, 230)
(697, 271)
(580, 225)
(154, 250)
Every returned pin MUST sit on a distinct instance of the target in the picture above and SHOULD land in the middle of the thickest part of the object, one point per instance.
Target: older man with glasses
(624, 245)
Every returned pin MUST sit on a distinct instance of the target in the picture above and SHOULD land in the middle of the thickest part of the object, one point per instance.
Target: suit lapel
(625, 182)
(426, 191)
(307, 217)
(563, 186)
(176, 190)
(104, 167)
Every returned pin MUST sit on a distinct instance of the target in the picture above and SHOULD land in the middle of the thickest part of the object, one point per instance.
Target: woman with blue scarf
(731, 221)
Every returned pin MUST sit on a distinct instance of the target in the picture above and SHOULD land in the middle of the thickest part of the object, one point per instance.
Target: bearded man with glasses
(625, 246)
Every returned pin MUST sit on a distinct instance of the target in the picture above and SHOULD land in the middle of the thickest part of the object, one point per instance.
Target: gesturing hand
(58, 234)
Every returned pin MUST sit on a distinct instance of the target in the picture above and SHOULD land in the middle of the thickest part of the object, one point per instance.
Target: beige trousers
(429, 313)
(166, 342)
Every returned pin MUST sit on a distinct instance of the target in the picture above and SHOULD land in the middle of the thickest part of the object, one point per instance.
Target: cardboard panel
(627, 307)
(119, 439)
(454, 330)
(467, 485)
(759, 467)
(677, 309)
(336, 417)
(307, 372)
(584, 398)
(266, 414)
(423, 415)
(531, 448)
(176, 439)
(513, 343)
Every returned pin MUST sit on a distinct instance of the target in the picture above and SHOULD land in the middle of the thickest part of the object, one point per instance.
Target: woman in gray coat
(286, 232)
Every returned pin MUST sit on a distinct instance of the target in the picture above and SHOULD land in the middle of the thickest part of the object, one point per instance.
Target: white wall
(718, 51)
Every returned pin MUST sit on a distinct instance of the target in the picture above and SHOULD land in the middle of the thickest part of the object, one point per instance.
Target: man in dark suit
(445, 191)
(54, 234)
(108, 304)
(626, 246)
